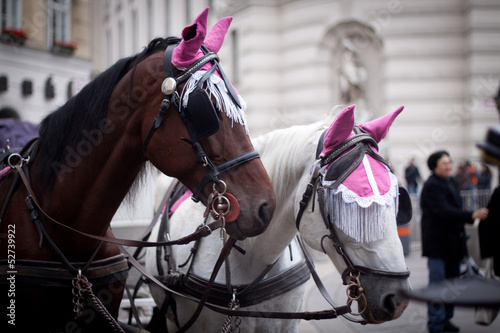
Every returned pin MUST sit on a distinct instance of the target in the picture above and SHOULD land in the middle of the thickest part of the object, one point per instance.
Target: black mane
(62, 130)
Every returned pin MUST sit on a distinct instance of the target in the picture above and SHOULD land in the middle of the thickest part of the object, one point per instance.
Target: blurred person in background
(484, 178)
(443, 233)
(412, 176)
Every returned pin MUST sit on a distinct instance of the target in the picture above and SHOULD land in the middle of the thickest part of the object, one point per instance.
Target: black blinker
(201, 118)
(405, 210)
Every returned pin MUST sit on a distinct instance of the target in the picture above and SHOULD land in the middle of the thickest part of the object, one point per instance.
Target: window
(59, 22)
(11, 11)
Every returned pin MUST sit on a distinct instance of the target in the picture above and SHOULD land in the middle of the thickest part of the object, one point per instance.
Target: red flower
(65, 45)
(15, 33)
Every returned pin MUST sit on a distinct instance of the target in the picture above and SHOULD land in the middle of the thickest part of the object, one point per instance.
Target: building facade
(297, 61)
(45, 54)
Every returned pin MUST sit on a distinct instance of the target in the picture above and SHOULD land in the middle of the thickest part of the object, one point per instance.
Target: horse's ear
(339, 130)
(215, 37)
(379, 127)
(188, 50)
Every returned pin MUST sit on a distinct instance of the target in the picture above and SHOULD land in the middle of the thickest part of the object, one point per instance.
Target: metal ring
(349, 302)
(355, 298)
(15, 155)
(219, 212)
(220, 181)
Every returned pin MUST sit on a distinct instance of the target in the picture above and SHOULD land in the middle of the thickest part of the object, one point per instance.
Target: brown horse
(89, 156)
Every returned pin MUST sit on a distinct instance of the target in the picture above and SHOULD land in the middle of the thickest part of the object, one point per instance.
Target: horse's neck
(286, 155)
(90, 192)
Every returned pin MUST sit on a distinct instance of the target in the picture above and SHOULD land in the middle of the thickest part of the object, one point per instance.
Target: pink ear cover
(215, 37)
(339, 130)
(188, 50)
(379, 127)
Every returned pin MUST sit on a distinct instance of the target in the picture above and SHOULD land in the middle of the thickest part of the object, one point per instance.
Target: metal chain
(81, 286)
(237, 322)
(226, 328)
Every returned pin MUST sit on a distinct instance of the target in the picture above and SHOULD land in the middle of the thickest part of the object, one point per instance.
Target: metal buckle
(21, 161)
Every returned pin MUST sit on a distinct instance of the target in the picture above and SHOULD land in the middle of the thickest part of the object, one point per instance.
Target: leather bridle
(169, 88)
(345, 159)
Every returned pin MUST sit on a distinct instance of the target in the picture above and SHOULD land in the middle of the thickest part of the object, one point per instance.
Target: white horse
(373, 244)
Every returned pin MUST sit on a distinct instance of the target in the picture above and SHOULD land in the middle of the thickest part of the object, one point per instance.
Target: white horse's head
(360, 207)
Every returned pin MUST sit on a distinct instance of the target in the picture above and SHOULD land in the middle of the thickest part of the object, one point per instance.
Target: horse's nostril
(265, 213)
(390, 304)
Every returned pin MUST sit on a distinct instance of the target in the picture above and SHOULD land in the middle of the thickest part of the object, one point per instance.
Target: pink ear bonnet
(368, 188)
(194, 35)
(189, 51)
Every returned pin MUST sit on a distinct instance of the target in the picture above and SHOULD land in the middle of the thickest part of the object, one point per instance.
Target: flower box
(64, 48)
(13, 36)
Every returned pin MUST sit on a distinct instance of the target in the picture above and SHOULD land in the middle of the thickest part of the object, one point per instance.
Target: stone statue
(352, 80)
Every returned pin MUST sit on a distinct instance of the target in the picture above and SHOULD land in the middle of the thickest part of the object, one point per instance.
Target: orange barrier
(404, 231)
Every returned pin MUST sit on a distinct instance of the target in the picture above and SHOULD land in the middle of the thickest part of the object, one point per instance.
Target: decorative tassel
(360, 217)
(216, 87)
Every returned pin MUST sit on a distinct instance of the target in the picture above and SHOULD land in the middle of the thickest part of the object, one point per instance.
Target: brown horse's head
(203, 138)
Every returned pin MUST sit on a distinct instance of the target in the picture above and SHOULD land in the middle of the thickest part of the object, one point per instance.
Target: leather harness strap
(217, 170)
(55, 274)
(247, 294)
(126, 242)
(326, 314)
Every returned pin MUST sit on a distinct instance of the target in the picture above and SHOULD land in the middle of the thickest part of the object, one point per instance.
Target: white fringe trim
(216, 87)
(361, 217)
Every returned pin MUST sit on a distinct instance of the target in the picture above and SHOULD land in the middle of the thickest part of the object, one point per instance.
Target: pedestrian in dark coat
(443, 233)
(412, 176)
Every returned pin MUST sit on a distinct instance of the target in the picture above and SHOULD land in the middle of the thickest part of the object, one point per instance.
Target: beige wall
(81, 27)
(35, 23)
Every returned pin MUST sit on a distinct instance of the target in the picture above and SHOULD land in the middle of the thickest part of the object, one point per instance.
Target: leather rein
(345, 159)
